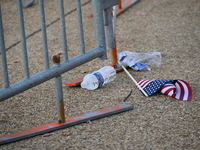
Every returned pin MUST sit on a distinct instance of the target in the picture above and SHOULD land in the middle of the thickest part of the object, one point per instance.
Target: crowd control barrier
(104, 37)
(100, 8)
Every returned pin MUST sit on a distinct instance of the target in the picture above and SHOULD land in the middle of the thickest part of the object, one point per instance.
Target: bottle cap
(84, 84)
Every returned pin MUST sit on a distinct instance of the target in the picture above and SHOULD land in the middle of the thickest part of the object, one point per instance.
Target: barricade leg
(114, 55)
(59, 92)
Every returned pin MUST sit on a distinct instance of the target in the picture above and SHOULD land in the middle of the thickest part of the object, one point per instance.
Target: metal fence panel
(29, 81)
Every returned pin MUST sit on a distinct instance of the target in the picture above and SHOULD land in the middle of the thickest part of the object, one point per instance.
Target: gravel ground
(158, 122)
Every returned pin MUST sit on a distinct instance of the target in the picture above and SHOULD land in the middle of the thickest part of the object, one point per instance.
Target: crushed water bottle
(98, 78)
(139, 61)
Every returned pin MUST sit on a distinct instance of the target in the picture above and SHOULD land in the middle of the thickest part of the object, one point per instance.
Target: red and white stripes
(178, 89)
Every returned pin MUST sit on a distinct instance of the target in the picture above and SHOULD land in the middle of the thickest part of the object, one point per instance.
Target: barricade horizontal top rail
(50, 73)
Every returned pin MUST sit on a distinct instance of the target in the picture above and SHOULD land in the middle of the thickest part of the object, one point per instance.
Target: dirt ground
(160, 122)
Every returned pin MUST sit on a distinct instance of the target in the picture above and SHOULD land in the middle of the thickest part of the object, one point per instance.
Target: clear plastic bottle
(98, 78)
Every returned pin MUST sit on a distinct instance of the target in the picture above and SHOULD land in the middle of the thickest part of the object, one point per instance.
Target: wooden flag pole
(132, 79)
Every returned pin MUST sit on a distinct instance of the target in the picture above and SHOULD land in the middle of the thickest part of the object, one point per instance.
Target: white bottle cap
(84, 84)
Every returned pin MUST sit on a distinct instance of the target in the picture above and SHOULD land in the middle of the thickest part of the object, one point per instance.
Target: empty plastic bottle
(98, 78)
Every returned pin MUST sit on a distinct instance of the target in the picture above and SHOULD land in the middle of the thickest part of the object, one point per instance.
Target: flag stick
(132, 79)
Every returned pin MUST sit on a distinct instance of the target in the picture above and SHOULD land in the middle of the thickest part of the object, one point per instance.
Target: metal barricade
(99, 7)
(104, 26)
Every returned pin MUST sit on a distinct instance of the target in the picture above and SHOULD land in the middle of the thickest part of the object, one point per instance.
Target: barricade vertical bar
(114, 50)
(44, 34)
(59, 92)
(3, 54)
(109, 27)
(63, 29)
(99, 26)
(23, 39)
(80, 24)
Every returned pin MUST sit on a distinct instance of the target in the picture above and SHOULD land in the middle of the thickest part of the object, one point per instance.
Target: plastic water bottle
(98, 78)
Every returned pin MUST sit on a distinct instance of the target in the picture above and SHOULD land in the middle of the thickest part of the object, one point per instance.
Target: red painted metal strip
(125, 5)
(119, 4)
(74, 82)
(68, 122)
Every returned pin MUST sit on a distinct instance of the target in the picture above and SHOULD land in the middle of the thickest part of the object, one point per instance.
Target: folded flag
(178, 89)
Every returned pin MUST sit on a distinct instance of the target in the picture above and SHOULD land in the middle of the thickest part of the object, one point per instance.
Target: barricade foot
(68, 122)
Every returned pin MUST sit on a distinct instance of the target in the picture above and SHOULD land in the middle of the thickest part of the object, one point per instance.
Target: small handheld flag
(178, 89)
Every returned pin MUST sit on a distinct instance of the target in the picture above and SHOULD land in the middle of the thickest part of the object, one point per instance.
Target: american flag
(178, 89)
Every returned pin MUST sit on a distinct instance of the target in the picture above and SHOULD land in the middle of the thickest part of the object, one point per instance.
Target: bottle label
(99, 78)
(140, 66)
